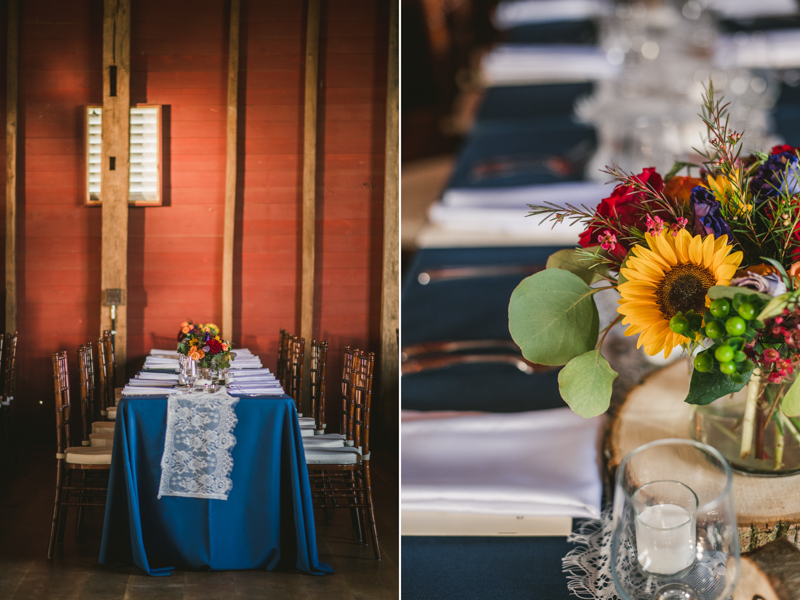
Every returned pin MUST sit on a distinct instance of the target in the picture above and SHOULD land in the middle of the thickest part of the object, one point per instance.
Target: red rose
(623, 208)
(214, 346)
(781, 149)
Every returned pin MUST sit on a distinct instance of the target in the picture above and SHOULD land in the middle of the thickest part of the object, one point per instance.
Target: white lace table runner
(197, 450)
(588, 565)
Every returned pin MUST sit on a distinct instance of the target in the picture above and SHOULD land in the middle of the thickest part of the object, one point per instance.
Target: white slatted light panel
(145, 155)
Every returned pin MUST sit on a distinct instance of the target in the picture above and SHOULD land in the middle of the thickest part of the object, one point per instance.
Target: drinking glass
(675, 535)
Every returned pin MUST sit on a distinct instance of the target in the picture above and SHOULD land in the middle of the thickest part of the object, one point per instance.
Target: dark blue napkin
(560, 32)
(506, 106)
(470, 309)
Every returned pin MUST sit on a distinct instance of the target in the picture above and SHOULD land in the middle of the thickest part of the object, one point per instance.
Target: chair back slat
(104, 379)
(86, 365)
(283, 342)
(9, 362)
(111, 368)
(319, 359)
(295, 371)
(361, 399)
(347, 375)
(61, 383)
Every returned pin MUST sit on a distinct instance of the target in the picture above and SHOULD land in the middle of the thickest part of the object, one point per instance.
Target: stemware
(675, 535)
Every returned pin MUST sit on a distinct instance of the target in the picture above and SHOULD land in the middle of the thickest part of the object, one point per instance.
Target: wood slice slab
(767, 507)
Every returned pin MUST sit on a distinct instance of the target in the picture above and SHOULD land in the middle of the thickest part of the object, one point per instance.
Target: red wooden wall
(179, 60)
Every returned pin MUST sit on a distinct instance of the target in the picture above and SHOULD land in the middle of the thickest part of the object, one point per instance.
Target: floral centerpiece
(203, 343)
(708, 262)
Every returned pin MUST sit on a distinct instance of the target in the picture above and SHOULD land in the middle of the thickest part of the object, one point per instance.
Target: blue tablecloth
(267, 520)
(489, 568)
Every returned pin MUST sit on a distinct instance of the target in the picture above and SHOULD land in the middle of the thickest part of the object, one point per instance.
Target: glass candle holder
(675, 534)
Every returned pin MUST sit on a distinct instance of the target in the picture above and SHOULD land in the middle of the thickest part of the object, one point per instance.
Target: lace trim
(197, 450)
(588, 565)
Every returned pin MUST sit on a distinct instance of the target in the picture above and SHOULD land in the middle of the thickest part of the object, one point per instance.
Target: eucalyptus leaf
(553, 318)
(585, 384)
(729, 291)
(790, 405)
(571, 260)
(707, 387)
(774, 307)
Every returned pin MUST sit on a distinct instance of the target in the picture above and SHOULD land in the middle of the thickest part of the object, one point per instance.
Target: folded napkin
(253, 377)
(779, 49)
(157, 376)
(577, 193)
(539, 463)
(513, 13)
(239, 371)
(153, 360)
(748, 9)
(255, 390)
(257, 384)
(151, 383)
(131, 390)
(242, 352)
(156, 352)
(520, 64)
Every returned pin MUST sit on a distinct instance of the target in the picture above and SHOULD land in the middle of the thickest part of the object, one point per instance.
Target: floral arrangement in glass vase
(709, 262)
(203, 343)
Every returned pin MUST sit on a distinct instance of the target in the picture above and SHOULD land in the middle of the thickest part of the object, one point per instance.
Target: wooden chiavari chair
(320, 439)
(72, 460)
(345, 471)
(92, 436)
(114, 393)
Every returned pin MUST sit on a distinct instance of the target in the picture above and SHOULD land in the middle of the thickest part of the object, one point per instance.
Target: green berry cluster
(730, 324)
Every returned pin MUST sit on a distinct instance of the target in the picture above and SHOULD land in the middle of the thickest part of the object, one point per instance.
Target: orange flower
(184, 325)
(185, 329)
(678, 189)
(224, 347)
(196, 354)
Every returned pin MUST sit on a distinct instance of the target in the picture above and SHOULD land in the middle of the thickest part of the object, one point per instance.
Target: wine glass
(675, 535)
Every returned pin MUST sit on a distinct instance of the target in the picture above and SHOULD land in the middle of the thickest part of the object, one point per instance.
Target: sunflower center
(684, 288)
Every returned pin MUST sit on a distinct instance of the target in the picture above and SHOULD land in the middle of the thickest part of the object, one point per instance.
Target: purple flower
(771, 284)
(707, 217)
(769, 177)
(206, 348)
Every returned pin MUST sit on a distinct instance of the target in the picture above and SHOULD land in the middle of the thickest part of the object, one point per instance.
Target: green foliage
(707, 387)
(790, 405)
(585, 383)
(553, 318)
(590, 268)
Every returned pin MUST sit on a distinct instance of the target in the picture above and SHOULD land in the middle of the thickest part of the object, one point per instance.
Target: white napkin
(151, 383)
(748, 9)
(778, 49)
(540, 463)
(510, 64)
(129, 390)
(237, 372)
(242, 352)
(160, 360)
(258, 376)
(157, 376)
(155, 352)
(256, 390)
(580, 193)
(513, 13)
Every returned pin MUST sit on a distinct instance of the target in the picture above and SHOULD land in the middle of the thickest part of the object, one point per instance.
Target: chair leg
(56, 511)
(355, 512)
(66, 496)
(368, 490)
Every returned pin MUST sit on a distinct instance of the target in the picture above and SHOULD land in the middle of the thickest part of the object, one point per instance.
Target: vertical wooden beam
(114, 170)
(230, 173)
(390, 290)
(11, 166)
(309, 188)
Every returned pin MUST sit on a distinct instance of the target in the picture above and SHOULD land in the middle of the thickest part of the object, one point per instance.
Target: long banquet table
(266, 522)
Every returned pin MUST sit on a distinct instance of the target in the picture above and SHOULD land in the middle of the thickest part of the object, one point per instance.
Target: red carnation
(624, 209)
(214, 346)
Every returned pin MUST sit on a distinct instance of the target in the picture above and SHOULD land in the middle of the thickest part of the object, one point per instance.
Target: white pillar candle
(665, 538)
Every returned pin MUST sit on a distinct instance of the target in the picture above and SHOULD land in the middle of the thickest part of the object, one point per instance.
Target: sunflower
(673, 275)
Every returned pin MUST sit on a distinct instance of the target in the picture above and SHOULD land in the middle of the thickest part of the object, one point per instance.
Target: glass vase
(761, 441)
(675, 534)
